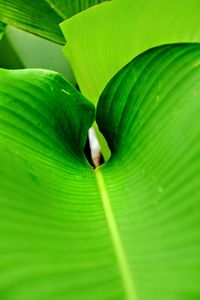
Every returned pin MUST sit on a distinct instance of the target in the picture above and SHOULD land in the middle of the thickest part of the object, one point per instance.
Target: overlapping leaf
(42, 17)
(33, 16)
(127, 230)
(68, 8)
(100, 41)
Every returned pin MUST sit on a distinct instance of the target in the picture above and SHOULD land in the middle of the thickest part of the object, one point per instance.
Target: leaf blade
(42, 174)
(152, 177)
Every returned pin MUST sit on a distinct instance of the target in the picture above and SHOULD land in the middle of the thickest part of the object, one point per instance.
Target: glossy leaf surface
(127, 230)
(151, 115)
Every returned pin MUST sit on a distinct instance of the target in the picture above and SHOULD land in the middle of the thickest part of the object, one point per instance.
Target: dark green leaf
(33, 16)
(8, 56)
(68, 8)
(2, 29)
(42, 17)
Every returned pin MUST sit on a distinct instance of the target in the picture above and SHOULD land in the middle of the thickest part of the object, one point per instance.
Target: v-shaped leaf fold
(127, 230)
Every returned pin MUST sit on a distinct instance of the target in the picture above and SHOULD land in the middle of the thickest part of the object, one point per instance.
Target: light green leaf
(103, 39)
(33, 16)
(68, 8)
(20, 49)
(127, 230)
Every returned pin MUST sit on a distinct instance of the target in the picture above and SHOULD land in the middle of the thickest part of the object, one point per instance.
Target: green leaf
(26, 94)
(46, 205)
(100, 41)
(33, 16)
(42, 17)
(127, 230)
(149, 114)
(68, 8)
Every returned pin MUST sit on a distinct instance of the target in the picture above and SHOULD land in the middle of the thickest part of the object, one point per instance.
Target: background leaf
(100, 41)
(33, 16)
(42, 17)
(2, 29)
(33, 52)
(68, 8)
(8, 57)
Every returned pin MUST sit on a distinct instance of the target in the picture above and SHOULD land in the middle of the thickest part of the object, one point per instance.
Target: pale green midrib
(125, 273)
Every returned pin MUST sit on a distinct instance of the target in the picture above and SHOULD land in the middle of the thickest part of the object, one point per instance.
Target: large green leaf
(49, 219)
(151, 112)
(127, 230)
(100, 41)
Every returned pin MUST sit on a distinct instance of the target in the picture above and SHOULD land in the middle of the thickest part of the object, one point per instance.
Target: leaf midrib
(127, 280)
